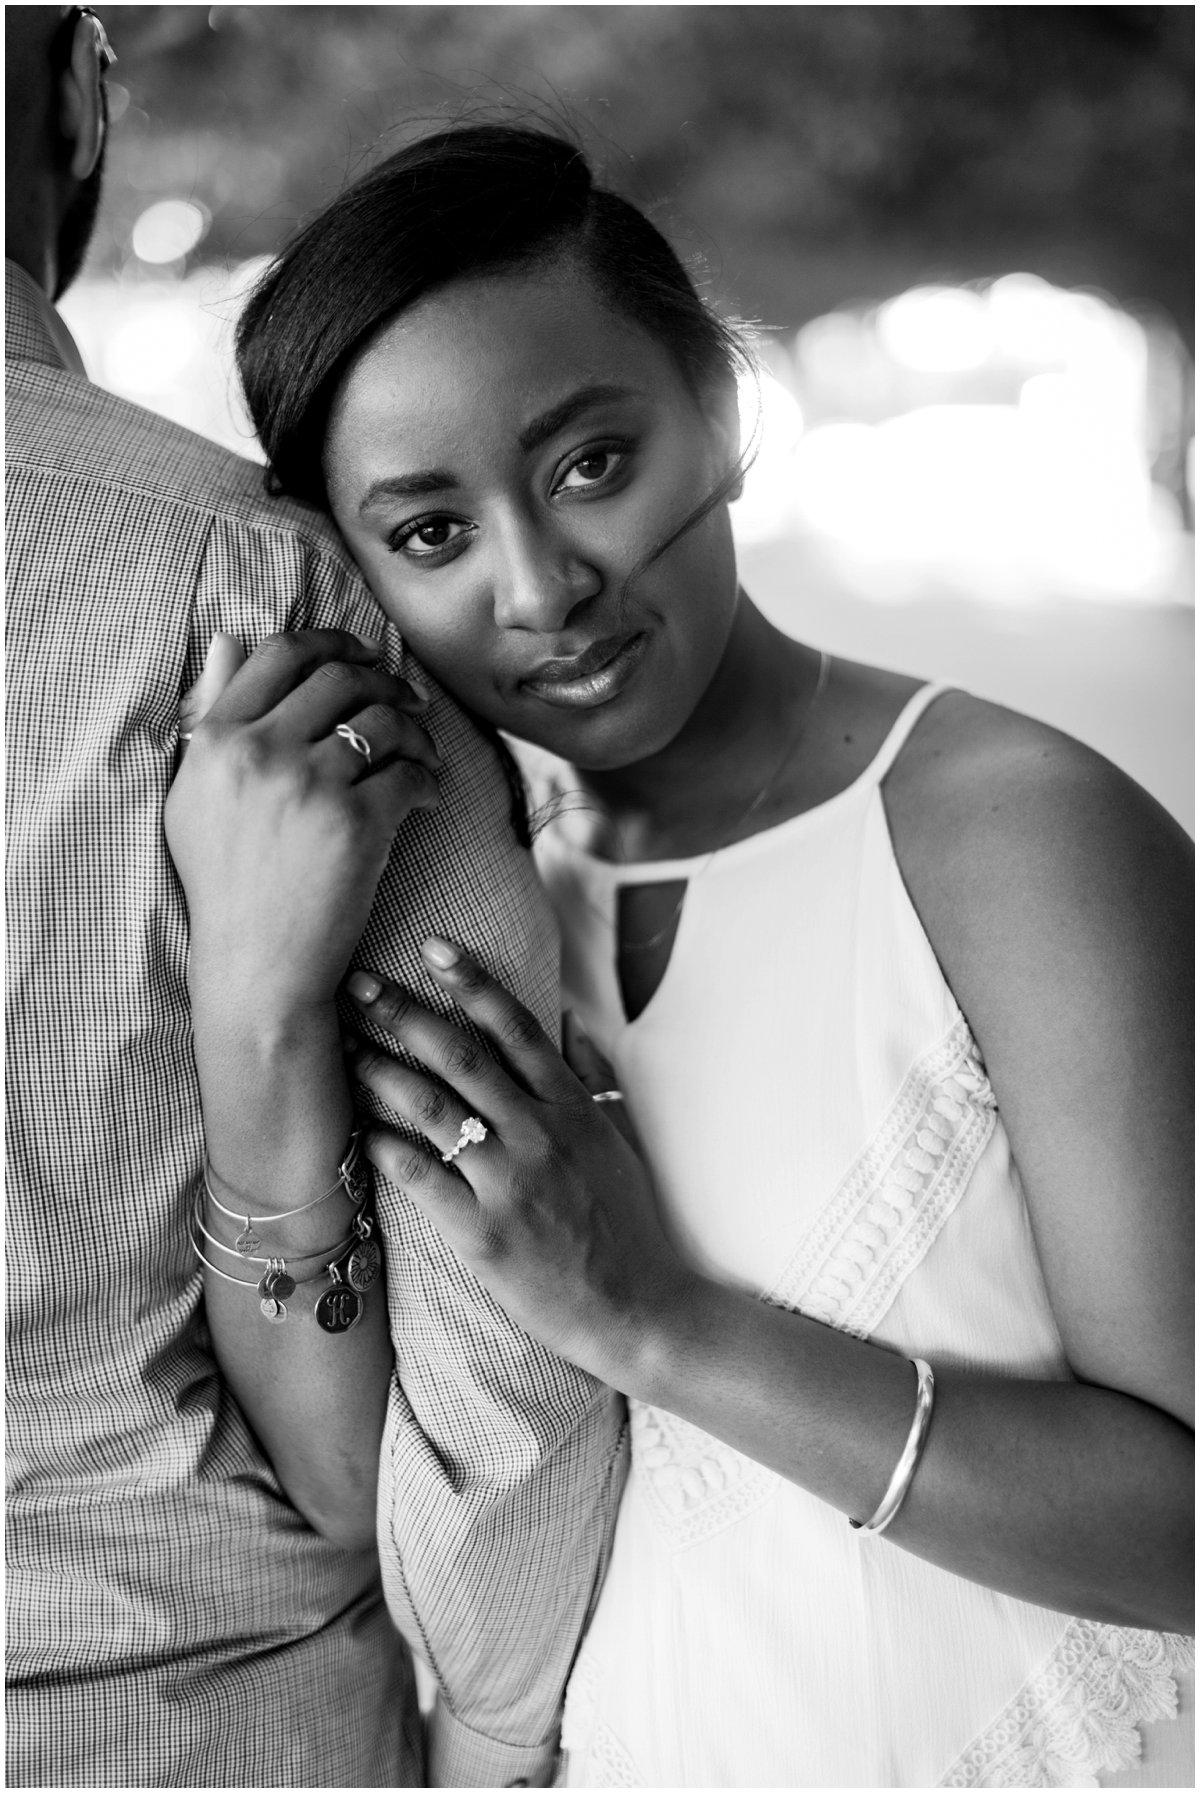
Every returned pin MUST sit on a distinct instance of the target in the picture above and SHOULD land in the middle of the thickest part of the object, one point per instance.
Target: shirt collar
(33, 330)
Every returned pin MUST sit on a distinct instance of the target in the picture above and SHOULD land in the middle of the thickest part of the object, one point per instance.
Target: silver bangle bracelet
(351, 1178)
(910, 1456)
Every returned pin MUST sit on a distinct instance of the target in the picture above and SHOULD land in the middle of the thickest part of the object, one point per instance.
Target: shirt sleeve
(502, 1465)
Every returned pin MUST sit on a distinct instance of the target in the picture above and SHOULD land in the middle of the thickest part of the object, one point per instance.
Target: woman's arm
(1070, 960)
(280, 830)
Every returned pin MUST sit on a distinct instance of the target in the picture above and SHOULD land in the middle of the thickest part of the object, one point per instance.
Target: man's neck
(29, 236)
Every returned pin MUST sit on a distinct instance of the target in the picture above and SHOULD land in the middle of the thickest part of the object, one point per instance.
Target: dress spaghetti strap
(899, 732)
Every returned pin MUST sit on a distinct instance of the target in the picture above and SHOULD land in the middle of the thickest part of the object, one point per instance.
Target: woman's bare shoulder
(979, 785)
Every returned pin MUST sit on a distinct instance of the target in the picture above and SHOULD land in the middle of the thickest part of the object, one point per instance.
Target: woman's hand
(279, 826)
(553, 1210)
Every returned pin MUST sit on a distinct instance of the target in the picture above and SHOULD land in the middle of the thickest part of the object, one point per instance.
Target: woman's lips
(594, 677)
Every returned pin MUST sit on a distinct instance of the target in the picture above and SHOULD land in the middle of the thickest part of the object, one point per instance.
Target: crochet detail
(606, 1760)
(898, 1194)
(693, 1484)
(609, 1763)
(1079, 1716)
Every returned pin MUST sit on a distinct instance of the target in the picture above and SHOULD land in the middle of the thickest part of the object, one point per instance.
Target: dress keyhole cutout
(647, 923)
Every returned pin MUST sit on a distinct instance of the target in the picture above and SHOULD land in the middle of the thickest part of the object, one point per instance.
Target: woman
(890, 979)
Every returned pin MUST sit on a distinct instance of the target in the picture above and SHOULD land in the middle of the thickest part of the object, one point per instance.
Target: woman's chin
(603, 740)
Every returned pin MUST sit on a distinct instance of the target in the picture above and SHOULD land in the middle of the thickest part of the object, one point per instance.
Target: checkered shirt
(172, 1621)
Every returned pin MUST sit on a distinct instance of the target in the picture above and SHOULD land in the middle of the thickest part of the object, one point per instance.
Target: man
(172, 1619)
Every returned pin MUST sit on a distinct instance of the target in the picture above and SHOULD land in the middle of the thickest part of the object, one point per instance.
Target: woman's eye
(591, 469)
(428, 536)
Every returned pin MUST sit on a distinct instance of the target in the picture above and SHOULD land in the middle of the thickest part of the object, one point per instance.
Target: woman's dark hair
(465, 200)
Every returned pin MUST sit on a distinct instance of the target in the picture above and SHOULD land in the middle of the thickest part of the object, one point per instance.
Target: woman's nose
(541, 578)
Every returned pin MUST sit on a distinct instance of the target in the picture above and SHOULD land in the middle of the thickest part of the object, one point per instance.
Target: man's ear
(81, 115)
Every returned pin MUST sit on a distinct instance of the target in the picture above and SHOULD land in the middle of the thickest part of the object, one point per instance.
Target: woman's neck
(695, 793)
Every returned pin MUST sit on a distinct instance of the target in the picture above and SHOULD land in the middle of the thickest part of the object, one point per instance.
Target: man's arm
(502, 1465)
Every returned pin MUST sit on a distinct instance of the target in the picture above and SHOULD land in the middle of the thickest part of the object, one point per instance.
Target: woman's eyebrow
(550, 422)
(542, 428)
(409, 485)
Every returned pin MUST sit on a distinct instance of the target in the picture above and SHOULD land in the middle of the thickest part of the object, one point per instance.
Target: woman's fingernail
(441, 954)
(421, 690)
(363, 987)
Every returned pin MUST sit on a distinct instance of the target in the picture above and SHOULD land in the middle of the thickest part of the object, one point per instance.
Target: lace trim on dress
(693, 1484)
(609, 1763)
(898, 1194)
(606, 1760)
(1080, 1714)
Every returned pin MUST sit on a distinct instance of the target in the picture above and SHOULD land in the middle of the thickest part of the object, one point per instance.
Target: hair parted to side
(464, 200)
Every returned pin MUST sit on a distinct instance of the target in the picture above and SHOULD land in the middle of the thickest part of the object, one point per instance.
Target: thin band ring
(472, 1133)
(608, 1095)
(353, 739)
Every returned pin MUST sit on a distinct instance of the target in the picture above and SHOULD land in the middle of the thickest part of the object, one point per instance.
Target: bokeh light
(1006, 442)
(169, 230)
(936, 329)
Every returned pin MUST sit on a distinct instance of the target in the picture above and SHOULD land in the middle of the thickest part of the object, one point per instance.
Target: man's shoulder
(62, 427)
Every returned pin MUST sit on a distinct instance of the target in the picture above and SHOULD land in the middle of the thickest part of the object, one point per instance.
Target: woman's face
(501, 459)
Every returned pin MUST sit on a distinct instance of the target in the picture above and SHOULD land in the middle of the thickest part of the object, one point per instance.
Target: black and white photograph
(599, 770)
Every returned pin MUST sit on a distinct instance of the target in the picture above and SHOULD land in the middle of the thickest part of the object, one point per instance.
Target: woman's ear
(720, 407)
(81, 112)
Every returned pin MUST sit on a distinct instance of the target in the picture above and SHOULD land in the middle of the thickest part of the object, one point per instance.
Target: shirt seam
(295, 529)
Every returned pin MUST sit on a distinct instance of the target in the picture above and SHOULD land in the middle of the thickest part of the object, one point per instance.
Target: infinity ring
(359, 742)
(608, 1095)
(471, 1133)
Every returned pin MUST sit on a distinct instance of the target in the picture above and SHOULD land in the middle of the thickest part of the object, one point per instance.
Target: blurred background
(961, 233)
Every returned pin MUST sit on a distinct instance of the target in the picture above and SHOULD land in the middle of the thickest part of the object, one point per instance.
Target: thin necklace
(751, 809)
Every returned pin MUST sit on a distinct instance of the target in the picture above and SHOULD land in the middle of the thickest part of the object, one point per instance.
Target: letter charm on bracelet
(340, 1307)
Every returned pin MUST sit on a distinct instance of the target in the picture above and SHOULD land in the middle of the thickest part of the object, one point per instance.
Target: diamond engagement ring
(359, 742)
(471, 1133)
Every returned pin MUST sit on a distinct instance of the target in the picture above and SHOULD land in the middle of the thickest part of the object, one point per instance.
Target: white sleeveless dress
(823, 1133)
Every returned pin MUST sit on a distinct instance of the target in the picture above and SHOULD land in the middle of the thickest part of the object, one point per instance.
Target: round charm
(362, 1266)
(339, 1308)
(270, 1309)
(246, 1240)
(283, 1286)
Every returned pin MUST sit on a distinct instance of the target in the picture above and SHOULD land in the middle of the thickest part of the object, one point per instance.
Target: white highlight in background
(169, 230)
(936, 329)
